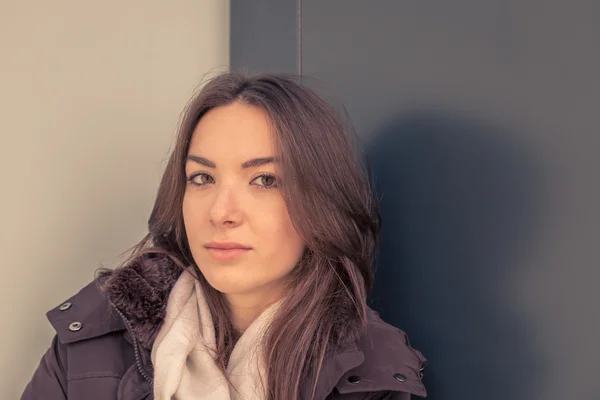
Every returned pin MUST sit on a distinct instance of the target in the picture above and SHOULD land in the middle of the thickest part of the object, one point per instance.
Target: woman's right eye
(200, 179)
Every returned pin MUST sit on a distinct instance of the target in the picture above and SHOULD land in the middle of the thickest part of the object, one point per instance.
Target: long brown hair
(331, 204)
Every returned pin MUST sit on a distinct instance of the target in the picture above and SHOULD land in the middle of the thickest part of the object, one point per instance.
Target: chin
(227, 283)
(230, 287)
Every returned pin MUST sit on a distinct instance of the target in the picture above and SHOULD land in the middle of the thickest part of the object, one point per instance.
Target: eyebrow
(252, 163)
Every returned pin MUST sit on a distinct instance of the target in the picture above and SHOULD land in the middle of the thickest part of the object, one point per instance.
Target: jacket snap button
(65, 306)
(75, 326)
(400, 377)
(354, 379)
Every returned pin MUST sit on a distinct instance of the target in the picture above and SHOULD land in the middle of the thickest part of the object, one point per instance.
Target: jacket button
(75, 326)
(354, 379)
(65, 306)
(400, 378)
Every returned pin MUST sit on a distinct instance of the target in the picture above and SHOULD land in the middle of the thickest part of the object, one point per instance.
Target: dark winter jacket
(102, 348)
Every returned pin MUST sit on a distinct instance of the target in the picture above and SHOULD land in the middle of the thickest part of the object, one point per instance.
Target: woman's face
(237, 224)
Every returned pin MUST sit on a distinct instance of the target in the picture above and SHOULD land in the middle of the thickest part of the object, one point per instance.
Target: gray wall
(480, 120)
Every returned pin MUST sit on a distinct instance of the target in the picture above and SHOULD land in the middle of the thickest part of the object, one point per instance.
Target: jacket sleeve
(49, 381)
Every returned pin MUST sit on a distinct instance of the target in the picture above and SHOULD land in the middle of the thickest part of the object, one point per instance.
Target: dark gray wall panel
(481, 123)
(481, 120)
(264, 35)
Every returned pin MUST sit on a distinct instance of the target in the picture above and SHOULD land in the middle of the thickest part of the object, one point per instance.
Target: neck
(246, 307)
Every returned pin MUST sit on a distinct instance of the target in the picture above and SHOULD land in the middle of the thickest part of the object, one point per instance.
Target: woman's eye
(201, 179)
(266, 181)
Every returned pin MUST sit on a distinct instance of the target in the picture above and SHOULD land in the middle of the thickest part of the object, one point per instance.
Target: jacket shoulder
(85, 315)
(371, 396)
(91, 356)
(390, 365)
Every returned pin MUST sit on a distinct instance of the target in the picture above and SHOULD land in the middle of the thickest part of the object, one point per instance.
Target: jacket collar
(382, 360)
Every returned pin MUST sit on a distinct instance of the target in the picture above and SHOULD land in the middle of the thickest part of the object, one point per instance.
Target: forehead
(235, 130)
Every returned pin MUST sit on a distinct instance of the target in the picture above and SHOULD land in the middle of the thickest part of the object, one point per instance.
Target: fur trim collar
(140, 291)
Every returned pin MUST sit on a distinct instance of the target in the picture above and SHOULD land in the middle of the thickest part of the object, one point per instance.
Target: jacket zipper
(136, 350)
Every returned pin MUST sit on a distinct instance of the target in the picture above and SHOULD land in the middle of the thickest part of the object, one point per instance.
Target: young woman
(252, 280)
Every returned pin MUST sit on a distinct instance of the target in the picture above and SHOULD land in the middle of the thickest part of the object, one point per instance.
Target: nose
(224, 210)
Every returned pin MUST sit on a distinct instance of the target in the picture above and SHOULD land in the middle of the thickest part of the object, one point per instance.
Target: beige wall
(90, 93)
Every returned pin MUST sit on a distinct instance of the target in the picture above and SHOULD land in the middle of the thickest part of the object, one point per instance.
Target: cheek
(192, 216)
(283, 242)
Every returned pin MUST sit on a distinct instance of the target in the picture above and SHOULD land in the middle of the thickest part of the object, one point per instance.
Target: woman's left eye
(266, 181)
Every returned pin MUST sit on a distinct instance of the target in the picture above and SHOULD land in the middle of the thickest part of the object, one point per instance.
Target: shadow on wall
(459, 201)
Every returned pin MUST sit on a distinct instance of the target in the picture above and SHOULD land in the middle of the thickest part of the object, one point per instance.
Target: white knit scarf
(184, 367)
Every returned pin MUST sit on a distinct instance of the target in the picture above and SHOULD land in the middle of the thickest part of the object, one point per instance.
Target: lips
(226, 251)
(226, 246)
